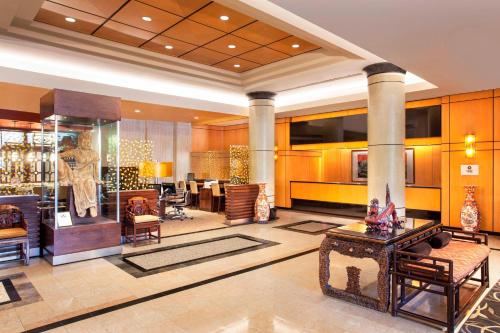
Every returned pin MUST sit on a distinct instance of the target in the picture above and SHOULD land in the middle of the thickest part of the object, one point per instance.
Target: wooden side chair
(14, 230)
(217, 196)
(195, 194)
(141, 220)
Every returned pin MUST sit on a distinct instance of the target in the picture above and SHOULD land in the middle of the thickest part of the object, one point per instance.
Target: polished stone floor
(272, 289)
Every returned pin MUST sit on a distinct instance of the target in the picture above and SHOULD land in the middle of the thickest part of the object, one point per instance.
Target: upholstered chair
(141, 220)
(14, 230)
(217, 196)
(195, 194)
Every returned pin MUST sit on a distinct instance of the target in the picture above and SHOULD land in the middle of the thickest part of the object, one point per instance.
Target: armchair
(14, 230)
(141, 220)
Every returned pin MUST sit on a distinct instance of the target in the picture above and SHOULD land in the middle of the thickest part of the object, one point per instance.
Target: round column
(261, 140)
(386, 133)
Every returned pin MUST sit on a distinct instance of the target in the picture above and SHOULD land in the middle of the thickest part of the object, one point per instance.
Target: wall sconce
(470, 145)
(275, 153)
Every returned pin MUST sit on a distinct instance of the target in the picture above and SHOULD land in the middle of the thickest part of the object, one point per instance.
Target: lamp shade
(163, 169)
(147, 169)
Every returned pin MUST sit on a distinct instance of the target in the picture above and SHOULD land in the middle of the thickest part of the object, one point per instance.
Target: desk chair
(195, 195)
(217, 195)
(178, 211)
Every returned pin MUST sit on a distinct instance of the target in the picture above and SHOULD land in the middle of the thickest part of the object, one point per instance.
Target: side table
(354, 240)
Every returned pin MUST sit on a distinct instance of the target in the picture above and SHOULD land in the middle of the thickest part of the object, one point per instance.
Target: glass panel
(48, 170)
(84, 156)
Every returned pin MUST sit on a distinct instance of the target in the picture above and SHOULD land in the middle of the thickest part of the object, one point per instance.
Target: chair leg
(159, 234)
(27, 254)
(135, 235)
(450, 306)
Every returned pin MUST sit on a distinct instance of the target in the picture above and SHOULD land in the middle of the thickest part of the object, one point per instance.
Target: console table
(354, 240)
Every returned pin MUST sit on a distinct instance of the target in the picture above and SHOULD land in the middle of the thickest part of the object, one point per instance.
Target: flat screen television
(420, 123)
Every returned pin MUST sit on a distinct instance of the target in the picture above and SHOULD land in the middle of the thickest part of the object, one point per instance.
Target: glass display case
(84, 156)
(80, 205)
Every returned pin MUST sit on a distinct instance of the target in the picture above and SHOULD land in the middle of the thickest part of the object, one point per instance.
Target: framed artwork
(359, 161)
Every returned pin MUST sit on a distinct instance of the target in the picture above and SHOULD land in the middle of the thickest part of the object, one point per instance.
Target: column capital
(382, 67)
(261, 95)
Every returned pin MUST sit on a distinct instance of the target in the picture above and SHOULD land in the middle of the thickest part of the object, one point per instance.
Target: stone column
(261, 140)
(386, 133)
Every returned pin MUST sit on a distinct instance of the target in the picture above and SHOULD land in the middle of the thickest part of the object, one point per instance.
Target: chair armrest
(477, 237)
(434, 267)
(24, 224)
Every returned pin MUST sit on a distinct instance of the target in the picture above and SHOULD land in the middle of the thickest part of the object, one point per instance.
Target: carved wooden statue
(382, 219)
(83, 177)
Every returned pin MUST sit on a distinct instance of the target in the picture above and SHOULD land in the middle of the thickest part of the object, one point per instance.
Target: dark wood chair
(141, 220)
(195, 194)
(217, 196)
(14, 230)
(443, 272)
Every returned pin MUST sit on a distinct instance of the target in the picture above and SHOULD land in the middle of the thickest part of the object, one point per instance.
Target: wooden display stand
(240, 203)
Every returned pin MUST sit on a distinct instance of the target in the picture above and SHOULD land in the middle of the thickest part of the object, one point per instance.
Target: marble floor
(272, 289)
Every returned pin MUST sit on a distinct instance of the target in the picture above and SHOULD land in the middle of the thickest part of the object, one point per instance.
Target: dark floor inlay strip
(310, 227)
(124, 305)
(162, 259)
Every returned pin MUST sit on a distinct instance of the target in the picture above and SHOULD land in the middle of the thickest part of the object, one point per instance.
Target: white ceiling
(452, 43)
(36, 54)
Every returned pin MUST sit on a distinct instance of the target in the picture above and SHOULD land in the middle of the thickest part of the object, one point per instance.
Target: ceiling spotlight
(237, 65)
(231, 46)
(224, 17)
(169, 47)
(147, 18)
(295, 46)
(70, 19)
(196, 118)
(137, 111)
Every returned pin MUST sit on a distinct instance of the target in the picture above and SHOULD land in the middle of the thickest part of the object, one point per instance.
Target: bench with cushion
(444, 271)
(14, 230)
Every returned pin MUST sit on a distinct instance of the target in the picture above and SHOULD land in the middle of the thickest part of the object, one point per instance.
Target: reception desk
(417, 197)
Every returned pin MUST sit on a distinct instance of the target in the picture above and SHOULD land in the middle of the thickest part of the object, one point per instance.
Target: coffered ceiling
(201, 31)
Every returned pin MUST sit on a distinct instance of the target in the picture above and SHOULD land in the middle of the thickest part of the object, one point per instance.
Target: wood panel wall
(471, 113)
(437, 160)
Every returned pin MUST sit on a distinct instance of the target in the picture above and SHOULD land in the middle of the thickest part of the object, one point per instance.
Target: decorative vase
(262, 209)
(469, 215)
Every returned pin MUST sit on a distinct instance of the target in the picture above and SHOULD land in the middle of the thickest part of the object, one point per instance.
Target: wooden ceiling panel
(242, 65)
(54, 14)
(133, 12)
(264, 56)
(193, 33)
(285, 46)
(241, 45)
(261, 33)
(178, 7)
(103, 8)
(210, 15)
(205, 56)
(158, 44)
(123, 33)
(192, 29)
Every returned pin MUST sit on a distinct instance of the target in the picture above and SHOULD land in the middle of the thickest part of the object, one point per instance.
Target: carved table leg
(324, 265)
(383, 285)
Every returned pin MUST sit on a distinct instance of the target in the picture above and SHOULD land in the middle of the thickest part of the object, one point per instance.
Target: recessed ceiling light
(224, 17)
(137, 111)
(196, 118)
(231, 46)
(70, 19)
(295, 46)
(237, 65)
(169, 47)
(147, 18)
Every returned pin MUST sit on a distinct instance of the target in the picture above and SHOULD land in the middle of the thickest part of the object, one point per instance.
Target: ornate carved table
(354, 240)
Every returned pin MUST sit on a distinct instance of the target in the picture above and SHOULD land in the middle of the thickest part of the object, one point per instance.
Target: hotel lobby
(249, 166)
